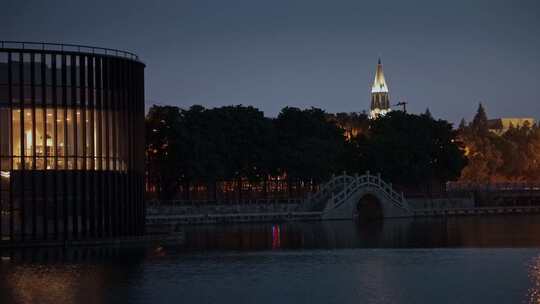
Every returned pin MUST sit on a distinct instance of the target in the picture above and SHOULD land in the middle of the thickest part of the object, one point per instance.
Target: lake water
(458, 260)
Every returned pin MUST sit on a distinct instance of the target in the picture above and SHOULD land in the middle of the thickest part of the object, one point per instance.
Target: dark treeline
(234, 151)
(513, 156)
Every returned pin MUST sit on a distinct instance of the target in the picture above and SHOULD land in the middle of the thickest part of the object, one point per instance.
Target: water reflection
(508, 231)
(313, 262)
(534, 276)
(75, 275)
(276, 237)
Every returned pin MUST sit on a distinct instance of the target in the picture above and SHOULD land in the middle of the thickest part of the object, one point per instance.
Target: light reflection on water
(534, 275)
(460, 260)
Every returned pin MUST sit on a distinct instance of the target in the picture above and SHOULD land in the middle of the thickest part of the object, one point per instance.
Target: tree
(200, 158)
(483, 150)
(462, 124)
(427, 113)
(480, 121)
(199, 146)
(309, 145)
(353, 124)
(226, 143)
(412, 149)
(163, 149)
(532, 172)
(245, 140)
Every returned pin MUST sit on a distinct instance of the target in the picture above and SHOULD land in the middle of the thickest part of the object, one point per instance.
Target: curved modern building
(71, 143)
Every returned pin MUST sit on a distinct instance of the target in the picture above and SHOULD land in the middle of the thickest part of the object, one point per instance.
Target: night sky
(447, 56)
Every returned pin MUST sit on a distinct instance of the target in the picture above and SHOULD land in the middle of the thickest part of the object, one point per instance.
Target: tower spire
(380, 101)
(379, 83)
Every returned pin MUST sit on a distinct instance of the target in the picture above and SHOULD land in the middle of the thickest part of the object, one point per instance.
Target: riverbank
(168, 221)
(176, 238)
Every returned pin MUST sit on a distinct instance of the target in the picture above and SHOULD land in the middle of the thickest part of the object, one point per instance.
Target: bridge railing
(222, 208)
(371, 181)
(492, 187)
(325, 191)
(199, 203)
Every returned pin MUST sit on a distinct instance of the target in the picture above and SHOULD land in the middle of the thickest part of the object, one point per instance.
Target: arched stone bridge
(346, 197)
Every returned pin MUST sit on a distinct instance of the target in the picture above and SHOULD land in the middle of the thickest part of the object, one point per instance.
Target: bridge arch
(346, 197)
(369, 208)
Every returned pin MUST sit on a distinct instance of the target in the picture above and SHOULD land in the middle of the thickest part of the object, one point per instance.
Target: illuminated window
(71, 143)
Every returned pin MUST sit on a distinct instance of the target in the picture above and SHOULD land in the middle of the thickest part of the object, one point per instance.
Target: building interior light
(29, 138)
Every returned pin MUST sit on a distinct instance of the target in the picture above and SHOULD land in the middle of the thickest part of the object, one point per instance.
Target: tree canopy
(199, 145)
(512, 156)
(411, 149)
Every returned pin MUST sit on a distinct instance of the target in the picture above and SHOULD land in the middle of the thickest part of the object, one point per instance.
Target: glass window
(69, 95)
(5, 132)
(111, 142)
(15, 68)
(4, 211)
(49, 95)
(3, 68)
(104, 137)
(68, 69)
(38, 95)
(77, 72)
(37, 69)
(27, 68)
(80, 138)
(28, 138)
(27, 94)
(85, 64)
(97, 140)
(48, 69)
(16, 144)
(61, 138)
(58, 69)
(59, 95)
(76, 98)
(4, 95)
(116, 130)
(40, 139)
(16, 94)
(89, 137)
(91, 72)
(71, 139)
(50, 139)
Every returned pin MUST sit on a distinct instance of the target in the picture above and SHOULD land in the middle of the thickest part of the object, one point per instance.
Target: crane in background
(403, 104)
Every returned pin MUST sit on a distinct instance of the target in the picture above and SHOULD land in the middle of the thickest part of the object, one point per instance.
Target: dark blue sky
(445, 55)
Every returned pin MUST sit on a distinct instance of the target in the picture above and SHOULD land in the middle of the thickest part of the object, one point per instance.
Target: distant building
(500, 125)
(380, 100)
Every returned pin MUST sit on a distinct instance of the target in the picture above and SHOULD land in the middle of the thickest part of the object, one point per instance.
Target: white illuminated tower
(380, 101)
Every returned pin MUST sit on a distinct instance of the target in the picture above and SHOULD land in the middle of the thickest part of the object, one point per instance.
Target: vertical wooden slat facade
(73, 122)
